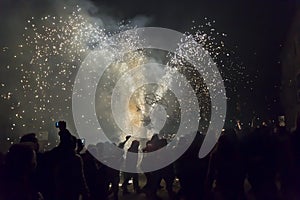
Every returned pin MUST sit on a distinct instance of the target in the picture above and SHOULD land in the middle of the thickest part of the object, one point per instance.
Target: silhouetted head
(163, 142)
(20, 160)
(31, 138)
(155, 137)
(67, 140)
(228, 139)
(134, 146)
(135, 143)
(62, 125)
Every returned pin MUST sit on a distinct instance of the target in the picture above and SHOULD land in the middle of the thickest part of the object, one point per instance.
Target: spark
(55, 46)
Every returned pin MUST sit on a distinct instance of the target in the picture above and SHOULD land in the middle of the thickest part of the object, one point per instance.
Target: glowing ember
(54, 48)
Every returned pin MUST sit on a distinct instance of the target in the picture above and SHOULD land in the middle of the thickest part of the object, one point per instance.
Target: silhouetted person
(63, 131)
(32, 139)
(131, 162)
(167, 173)
(16, 183)
(152, 177)
(262, 163)
(285, 161)
(38, 176)
(102, 171)
(189, 168)
(113, 175)
(65, 169)
(68, 171)
(226, 168)
(91, 172)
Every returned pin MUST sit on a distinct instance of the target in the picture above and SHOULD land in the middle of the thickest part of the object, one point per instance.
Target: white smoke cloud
(14, 16)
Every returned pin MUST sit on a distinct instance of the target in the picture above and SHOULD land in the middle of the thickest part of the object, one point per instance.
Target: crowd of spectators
(265, 159)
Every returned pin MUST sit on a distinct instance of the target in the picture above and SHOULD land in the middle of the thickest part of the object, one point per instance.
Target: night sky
(255, 31)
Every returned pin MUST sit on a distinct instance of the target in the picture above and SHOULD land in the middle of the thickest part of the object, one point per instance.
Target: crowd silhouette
(259, 163)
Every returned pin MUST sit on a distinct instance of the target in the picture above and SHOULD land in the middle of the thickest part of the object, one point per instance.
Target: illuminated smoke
(54, 45)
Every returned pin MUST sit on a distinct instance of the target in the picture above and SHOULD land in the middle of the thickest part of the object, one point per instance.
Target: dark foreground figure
(267, 159)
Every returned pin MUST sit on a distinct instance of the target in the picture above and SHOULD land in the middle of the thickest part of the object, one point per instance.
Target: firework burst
(55, 46)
